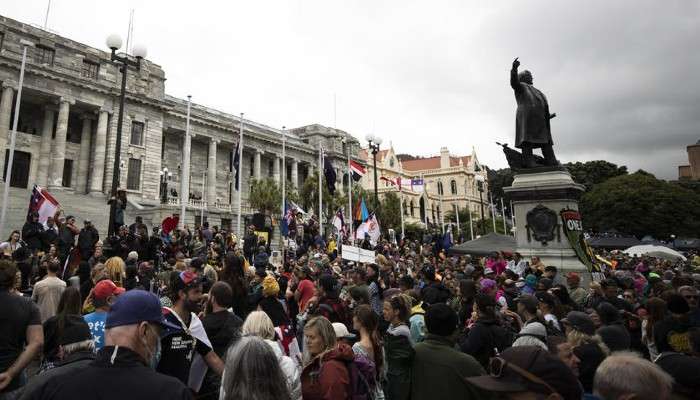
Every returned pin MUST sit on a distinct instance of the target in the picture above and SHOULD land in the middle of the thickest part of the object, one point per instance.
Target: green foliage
(414, 230)
(640, 204)
(592, 173)
(307, 196)
(390, 212)
(265, 195)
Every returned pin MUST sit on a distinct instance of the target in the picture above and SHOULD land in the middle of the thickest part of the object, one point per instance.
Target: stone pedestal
(538, 197)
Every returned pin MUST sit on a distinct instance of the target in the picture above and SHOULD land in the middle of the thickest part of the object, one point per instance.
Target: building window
(67, 173)
(43, 55)
(252, 165)
(439, 187)
(2, 39)
(136, 133)
(453, 186)
(270, 168)
(90, 69)
(412, 207)
(133, 177)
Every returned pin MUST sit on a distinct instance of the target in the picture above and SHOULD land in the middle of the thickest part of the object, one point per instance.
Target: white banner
(357, 254)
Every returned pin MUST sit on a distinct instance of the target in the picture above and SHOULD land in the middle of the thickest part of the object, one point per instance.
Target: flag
(286, 219)
(339, 221)
(370, 227)
(447, 240)
(417, 185)
(294, 206)
(236, 164)
(358, 171)
(43, 203)
(388, 180)
(329, 172)
(364, 213)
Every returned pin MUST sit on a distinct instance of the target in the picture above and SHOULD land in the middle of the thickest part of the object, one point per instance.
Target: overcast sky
(622, 76)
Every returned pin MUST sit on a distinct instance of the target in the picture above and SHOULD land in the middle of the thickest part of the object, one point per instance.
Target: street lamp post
(374, 142)
(165, 177)
(480, 187)
(114, 42)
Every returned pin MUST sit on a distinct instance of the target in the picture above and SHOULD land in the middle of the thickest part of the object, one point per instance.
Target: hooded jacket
(532, 334)
(289, 368)
(483, 337)
(613, 331)
(326, 377)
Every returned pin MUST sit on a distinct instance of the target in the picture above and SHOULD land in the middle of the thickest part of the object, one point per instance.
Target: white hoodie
(289, 368)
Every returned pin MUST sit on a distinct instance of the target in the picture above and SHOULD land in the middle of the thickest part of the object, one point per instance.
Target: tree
(591, 173)
(390, 212)
(414, 230)
(499, 179)
(640, 204)
(265, 195)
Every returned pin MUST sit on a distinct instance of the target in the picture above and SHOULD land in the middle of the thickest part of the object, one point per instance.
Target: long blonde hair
(577, 338)
(116, 270)
(325, 330)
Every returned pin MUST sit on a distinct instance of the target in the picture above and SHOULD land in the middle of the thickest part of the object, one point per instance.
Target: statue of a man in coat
(532, 119)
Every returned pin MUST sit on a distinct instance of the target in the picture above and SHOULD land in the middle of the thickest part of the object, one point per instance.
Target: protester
(366, 322)
(259, 324)
(588, 347)
(438, 369)
(47, 292)
(68, 305)
(76, 350)
(253, 372)
(325, 374)
(486, 334)
(625, 375)
(398, 347)
(102, 296)
(612, 331)
(21, 333)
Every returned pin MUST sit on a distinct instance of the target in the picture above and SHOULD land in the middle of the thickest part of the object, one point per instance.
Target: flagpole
(493, 212)
(350, 195)
(320, 188)
(401, 205)
(284, 170)
(459, 230)
(204, 184)
(469, 211)
(512, 216)
(185, 171)
(13, 136)
(503, 211)
(240, 177)
(442, 216)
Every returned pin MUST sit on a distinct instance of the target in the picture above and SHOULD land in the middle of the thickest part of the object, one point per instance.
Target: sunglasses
(498, 365)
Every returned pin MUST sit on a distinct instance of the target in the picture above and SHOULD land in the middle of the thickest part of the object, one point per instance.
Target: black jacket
(87, 238)
(483, 337)
(49, 237)
(72, 364)
(435, 292)
(123, 377)
(32, 234)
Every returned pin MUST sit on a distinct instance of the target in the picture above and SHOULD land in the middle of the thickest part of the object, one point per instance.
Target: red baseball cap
(106, 288)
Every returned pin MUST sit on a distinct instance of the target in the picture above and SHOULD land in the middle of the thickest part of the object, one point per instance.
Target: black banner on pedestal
(573, 229)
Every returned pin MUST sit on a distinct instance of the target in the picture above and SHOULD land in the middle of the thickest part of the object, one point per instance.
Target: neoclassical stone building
(67, 133)
(450, 182)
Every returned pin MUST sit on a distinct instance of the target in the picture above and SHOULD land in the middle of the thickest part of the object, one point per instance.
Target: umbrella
(485, 245)
(655, 251)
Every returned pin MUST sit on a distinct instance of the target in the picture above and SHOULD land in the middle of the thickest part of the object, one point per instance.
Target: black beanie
(75, 330)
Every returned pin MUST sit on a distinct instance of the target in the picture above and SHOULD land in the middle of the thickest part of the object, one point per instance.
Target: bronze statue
(532, 129)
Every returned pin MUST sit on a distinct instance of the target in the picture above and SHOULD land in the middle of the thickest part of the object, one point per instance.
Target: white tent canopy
(655, 251)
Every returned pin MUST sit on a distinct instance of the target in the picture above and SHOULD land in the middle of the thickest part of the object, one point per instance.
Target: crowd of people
(200, 313)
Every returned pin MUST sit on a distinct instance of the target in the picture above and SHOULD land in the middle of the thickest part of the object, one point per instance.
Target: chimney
(444, 157)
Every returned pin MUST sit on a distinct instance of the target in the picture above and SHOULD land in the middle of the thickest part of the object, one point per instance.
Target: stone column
(211, 173)
(45, 148)
(58, 153)
(256, 164)
(5, 110)
(276, 169)
(185, 170)
(295, 174)
(98, 161)
(81, 184)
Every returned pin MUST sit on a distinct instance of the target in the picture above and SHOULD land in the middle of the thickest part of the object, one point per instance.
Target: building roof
(363, 155)
(421, 164)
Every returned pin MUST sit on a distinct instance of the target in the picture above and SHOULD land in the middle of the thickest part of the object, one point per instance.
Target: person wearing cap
(187, 344)
(438, 369)
(76, 350)
(342, 334)
(103, 296)
(588, 347)
(528, 372)
(683, 367)
(125, 367)
(613, 331)
(433, 292)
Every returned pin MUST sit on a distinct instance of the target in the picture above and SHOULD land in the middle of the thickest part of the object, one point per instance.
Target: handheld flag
(339, 221)
(43, 203)
(236, 164)
(329, 172)
(358, 171)
(286, 219)
(364, 212)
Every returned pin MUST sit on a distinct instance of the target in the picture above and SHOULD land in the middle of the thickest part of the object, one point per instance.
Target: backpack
(362, 373)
